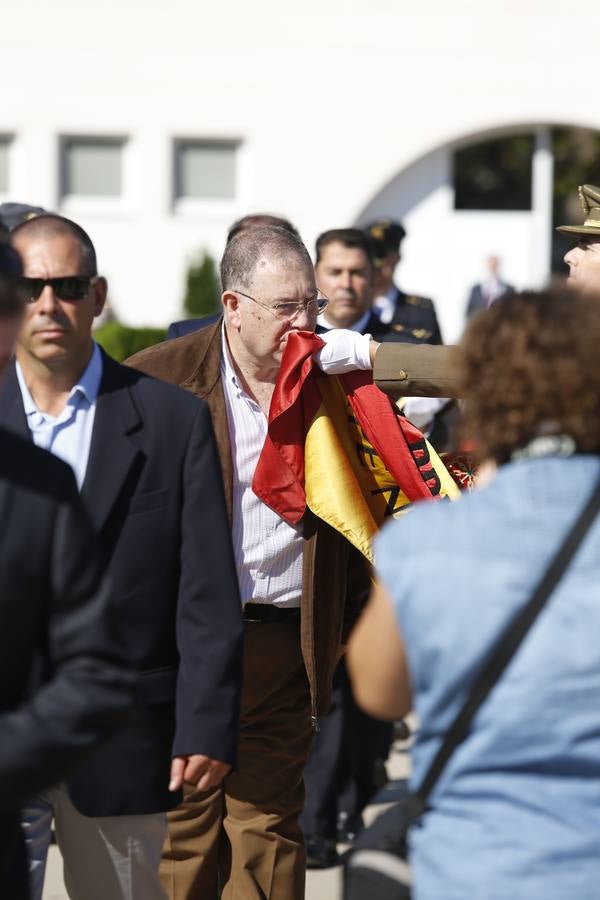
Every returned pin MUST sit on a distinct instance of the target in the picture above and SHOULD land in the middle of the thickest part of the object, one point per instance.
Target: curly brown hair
(529, 366)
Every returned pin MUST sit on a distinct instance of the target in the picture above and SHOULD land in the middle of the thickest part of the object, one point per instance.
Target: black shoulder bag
(377, 867)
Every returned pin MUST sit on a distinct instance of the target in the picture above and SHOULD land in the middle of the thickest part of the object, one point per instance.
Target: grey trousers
(107, 858)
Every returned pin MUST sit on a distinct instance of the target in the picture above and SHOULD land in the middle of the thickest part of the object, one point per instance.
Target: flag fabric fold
(338, 445)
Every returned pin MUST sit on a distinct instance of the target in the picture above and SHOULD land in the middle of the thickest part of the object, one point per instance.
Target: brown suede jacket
(336, 577)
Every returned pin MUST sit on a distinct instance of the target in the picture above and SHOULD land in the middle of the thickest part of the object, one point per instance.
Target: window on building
(4, 164)
(205, 170)
(92, 167)
(494, 174)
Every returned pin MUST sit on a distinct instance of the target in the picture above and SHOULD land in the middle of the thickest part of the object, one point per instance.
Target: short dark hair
(250, 247)
(529, 367)
(50, 224)
(348, 237)
(259, 220)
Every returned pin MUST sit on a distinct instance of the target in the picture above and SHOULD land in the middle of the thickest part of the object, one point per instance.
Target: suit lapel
(112, 452)
(206, 384)
(12, 411)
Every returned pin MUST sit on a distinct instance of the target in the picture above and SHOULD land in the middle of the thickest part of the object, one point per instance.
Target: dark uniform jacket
(336, 579)
(154, 492)
(54, 614)
(414, 320)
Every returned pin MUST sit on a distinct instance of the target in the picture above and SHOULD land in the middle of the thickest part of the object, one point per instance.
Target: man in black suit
(411, 317)
(64, 685)
(488, 291)
(145, 460)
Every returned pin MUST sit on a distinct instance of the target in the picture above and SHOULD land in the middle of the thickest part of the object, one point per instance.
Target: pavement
(322, 884)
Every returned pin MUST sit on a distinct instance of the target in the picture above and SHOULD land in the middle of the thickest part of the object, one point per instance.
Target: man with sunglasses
(301, 587)
(145, 461)
(64, 685)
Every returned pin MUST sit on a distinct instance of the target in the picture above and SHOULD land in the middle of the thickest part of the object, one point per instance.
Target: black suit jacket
(477, 301)
(55, 617)
(186, 326)
(153, 489)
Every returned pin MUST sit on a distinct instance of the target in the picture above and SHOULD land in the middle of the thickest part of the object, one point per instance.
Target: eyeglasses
(288, 311)
(66, 287)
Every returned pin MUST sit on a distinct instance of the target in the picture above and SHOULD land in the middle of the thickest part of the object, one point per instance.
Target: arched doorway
(496, 193)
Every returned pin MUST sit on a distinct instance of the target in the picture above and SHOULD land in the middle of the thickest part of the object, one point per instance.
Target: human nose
(301, 319)
(572, 257)
(47, 302)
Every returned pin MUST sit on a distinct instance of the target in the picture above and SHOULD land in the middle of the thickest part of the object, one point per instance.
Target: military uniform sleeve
(410, 370)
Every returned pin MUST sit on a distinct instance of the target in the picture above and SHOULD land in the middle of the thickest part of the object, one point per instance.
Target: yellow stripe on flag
(347, 485)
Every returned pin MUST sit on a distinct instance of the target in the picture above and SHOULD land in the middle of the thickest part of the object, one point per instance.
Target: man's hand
(201, 771)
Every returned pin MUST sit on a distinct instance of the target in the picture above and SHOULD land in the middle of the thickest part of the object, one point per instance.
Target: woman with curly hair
(516, 811)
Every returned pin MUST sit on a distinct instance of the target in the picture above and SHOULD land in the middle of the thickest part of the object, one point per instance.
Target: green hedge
(202, 290)
(121, 341)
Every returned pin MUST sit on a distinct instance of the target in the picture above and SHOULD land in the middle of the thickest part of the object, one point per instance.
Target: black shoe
(321, 852)
(348, 827)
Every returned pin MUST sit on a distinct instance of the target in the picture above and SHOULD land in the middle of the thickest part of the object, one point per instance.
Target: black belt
(266, 613)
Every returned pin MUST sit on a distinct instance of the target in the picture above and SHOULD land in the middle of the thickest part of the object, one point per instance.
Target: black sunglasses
(67, 287)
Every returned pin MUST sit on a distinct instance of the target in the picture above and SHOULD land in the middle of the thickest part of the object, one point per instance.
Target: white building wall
(331, 100)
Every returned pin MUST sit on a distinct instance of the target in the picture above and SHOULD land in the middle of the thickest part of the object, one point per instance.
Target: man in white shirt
(301, 587)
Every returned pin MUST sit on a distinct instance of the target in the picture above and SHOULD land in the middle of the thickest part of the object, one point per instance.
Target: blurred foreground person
(63, 681)
(516, 812)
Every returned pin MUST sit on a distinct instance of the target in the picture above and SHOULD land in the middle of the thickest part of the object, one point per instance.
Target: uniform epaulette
(420, 334)
(424, 302)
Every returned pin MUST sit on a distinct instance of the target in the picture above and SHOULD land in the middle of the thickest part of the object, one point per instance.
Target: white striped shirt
(268, 551)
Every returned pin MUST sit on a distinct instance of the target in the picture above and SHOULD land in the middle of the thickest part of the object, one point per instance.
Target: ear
(231, 308)
(100, 291)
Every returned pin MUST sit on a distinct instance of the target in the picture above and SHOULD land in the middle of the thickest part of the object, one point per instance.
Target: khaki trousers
(243, 838)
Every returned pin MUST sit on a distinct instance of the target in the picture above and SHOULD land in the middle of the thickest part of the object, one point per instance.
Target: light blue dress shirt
(68, 435)
(516, 814)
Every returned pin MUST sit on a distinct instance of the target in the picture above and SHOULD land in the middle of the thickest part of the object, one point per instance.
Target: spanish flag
(338, 445)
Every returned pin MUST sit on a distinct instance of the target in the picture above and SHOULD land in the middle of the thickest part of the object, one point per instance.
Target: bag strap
(508, 644)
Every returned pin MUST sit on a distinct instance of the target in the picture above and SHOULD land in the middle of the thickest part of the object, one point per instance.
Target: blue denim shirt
(516, 813)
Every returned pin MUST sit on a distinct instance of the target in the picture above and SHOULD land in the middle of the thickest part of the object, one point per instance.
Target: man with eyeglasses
(145, 461)
(301, 587)
(64, 682)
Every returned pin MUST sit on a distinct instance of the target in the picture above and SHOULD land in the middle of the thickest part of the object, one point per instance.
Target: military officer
(584, 259)
(410, 317)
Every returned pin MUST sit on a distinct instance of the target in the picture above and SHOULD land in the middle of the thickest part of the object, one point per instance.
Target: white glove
(344, 351)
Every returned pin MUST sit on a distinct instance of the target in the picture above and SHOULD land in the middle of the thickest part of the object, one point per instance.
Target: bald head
(49, 226)
(253, 250)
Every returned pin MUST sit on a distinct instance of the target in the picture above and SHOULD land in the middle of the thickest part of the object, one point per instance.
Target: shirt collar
(359, 325)
(228, 372)
(88, 385)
